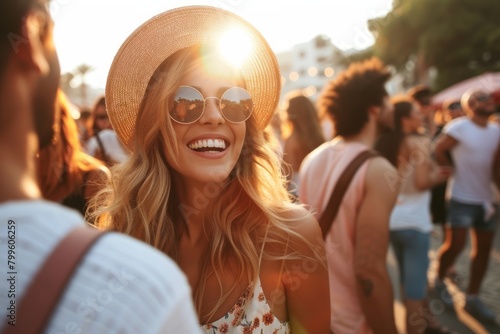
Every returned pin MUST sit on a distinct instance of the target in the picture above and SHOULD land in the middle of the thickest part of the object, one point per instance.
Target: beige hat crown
(149, 45)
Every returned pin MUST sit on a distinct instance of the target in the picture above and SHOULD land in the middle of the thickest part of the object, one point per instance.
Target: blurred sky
(92, 31)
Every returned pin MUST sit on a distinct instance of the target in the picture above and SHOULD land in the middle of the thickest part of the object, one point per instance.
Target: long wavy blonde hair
(252, 206)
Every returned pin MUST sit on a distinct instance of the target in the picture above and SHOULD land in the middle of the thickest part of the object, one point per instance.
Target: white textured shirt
(121, 286)
(473, 159)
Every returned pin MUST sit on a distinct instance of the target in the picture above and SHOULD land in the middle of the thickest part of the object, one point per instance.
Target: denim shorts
(464, 215)
(411, 248)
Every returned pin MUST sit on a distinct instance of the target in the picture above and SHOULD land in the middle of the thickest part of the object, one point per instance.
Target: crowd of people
(210, 194)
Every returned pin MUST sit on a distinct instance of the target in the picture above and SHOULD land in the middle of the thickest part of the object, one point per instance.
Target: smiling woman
(203, 185)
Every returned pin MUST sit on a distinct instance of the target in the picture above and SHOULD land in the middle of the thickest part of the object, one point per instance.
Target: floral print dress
(250, 314)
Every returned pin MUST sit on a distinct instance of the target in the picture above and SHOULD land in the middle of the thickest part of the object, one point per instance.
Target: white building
(309, 66)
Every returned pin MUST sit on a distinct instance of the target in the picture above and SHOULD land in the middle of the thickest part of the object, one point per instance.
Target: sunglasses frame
(213, 97)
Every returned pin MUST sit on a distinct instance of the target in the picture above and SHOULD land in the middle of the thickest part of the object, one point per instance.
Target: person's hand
(442, 173)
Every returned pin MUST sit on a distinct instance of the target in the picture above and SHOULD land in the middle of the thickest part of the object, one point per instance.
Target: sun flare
(235, 46)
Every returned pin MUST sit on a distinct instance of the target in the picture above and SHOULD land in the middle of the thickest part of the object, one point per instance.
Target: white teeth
(218, 143)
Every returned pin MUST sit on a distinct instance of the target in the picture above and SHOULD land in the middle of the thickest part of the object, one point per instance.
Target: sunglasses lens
(455, 106)
(236, 105)
(188, 105)
(483, 98)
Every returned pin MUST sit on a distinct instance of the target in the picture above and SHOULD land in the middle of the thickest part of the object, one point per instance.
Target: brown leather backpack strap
(47, 287)
(328, 216)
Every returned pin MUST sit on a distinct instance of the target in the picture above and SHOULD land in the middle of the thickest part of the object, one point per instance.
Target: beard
(383, 129)
(485, 112)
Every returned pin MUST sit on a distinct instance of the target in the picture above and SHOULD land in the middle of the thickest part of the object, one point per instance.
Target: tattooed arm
(372, 239)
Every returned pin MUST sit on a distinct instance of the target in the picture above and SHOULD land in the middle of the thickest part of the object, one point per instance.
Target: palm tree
(81, 71)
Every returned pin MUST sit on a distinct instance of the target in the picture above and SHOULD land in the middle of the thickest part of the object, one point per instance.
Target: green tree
(459, 38)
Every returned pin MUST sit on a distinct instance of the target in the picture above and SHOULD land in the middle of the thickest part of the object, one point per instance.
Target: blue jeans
(411, 248)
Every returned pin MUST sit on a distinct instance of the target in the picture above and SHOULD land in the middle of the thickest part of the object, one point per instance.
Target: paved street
(458, 320)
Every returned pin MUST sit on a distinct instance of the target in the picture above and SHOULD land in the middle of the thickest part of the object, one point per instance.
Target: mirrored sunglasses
(483, 98)
(455, 106)
(235, 105)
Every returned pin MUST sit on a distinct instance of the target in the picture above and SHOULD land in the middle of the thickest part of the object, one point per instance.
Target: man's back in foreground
(121, 285)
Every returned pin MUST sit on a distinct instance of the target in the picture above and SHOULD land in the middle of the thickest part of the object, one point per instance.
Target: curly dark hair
(348, 97)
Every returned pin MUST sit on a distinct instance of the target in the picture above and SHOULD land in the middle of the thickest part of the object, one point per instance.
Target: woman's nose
(212, 114)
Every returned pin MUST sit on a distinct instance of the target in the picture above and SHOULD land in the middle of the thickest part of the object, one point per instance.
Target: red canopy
(489, 82)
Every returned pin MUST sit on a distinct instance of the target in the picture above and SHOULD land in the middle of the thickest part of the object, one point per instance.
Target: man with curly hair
(357, 242)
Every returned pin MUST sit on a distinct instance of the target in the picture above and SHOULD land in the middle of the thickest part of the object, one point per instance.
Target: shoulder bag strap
(105, 155)
(49, 283)
(328, 216)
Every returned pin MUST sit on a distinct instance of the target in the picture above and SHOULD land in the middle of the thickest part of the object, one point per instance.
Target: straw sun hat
(161, 36)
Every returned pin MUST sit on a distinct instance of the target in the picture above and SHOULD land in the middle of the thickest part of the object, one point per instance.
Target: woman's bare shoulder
(302, 228)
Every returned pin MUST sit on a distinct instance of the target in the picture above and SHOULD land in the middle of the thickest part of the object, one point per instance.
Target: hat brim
(161, 36)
